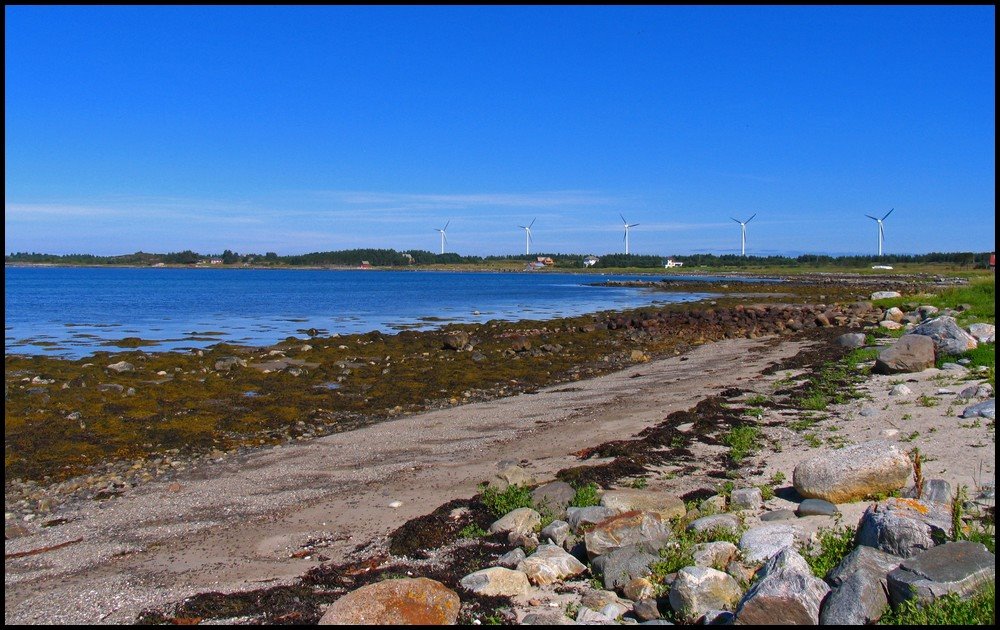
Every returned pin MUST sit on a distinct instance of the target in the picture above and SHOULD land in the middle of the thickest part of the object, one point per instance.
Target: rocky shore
(682, 494)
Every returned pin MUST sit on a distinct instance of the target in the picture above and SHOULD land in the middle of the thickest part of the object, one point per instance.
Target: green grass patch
(834, 545)
(742, 441)
(503, 502)
(950, 610)
(586, 496)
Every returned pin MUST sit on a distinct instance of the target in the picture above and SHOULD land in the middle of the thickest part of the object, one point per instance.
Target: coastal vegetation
(390, 258)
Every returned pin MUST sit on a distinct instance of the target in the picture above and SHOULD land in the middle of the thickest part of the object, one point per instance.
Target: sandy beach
(233, 524)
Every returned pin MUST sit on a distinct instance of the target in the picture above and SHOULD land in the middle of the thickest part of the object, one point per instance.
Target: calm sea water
(75, 311)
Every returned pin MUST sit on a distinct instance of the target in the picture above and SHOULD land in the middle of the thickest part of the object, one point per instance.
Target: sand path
(233, 524)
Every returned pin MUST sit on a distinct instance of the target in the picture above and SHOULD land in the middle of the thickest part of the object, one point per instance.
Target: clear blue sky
(318, 128)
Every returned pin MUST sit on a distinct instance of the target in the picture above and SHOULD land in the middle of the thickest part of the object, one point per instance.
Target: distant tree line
(393, 258)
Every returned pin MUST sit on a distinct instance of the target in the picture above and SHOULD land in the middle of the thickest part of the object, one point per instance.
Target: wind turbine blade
(871, 217)
(737, 220)
(623, 218)
(444, 236)
(887, 214)
(751, 218)
(532, 222)
(446, 225)
(523, 227)
(634, 225)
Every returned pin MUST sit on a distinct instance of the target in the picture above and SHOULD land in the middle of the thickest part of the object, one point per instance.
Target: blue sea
(75, 311)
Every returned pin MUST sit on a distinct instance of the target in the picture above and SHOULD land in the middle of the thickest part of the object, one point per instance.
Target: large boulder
(715, 522)
(584, 518)
(860, 591)
(948, 336)
(910, 353)
(626, 529)
(550, 564)
(985, 409)
(665, 504)
(764, 541)
(851, 340)
(625, 564)
(697, 590)
(510, 474)
(853, 472)
(904, 527)
(885, 295)
(416, 601)
(957, 567)
(787, 594)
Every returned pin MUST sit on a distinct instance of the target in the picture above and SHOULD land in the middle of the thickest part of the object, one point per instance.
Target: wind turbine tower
(527, 237)
(881, 229)
(627, 226)
(743, 234)
(444, 239)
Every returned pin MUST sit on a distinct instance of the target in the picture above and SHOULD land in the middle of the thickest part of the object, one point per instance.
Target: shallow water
(75, 311)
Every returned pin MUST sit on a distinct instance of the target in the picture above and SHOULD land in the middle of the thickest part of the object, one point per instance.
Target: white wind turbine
(627, 226)
(743, 234)
(527, 237)
(881, 229)
(444, 239)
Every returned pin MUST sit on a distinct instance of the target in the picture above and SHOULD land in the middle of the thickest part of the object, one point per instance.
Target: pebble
(396, 504)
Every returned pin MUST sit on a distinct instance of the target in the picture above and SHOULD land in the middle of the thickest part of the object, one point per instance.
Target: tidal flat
(132, 410)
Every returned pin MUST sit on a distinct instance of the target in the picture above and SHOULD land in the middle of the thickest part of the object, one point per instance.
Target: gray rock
(715, 522)
(585, 517)
(935, 491)
(785, 596)
(955, 567)
(713, 504)
(121, 366)
(982, 333)
(927, 310)
(948, 336)
(761, 542)
(455, 340)
(592, 617)
(547, 619)
(785, 560)
(614, 610)
(910, 353)
(851, 340)
(718, 618)
(512, 558)
(868, 412)
(746, 499)
(853, 472)
(985, 409)
(956, 370)
(228, 363)
(667, 505)
(713, 554)
(816, 507)
(869, 561)
(885, 295)
(903, 527)
(550, 564)
(496, 581)
(556, 531)
(509, 474)
(553, 497)
(900, 390)
(696, 590)
(778, 515)
(520, 521)
(646, 610)
(623, 565)
(626, 529)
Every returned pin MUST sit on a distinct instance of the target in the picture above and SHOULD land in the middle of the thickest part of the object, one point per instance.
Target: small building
(993, 261)
(546, 261)
(215, 261)
(673, 263)
(590, 261)
(365, 264)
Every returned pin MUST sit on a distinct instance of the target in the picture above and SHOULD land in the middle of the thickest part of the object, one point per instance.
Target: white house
(673, 263)
(590, 261)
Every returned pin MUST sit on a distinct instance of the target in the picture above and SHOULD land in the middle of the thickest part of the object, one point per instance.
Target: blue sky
(319, 128)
